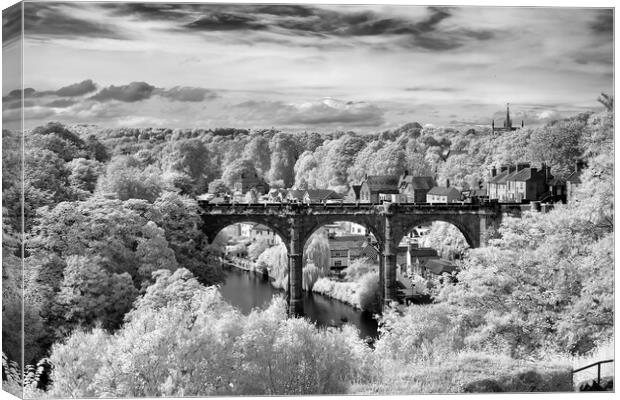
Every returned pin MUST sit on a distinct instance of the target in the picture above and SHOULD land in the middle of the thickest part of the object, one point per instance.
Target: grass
(469, 372)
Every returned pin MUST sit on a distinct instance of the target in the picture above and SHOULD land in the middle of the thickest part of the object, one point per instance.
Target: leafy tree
(153, 252)
(283, 157)
(179, 217)
(89, 294)
(125, 178)
(558, 145)
(257, 248)
(184, 339)
(276, 260)
(236, 170)
(191, 158)
(84, 173)
(316, 263)
(258, 150)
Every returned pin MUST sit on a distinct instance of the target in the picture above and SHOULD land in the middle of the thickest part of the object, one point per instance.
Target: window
(337, 263)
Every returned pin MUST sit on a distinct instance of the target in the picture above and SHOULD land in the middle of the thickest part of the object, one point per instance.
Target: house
(439, 194)
(415, 188)
(276, 195)
(527, 183)
(574, 180)
(249, 181)
(411, 258)
(295, 195)
(346, 248)
(474, 196)
(313, 196)
(496, 186)
(254, 232)
(374, 185)
(353, 195)
(393, 198)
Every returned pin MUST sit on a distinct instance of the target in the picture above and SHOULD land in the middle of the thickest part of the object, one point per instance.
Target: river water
(248, 290)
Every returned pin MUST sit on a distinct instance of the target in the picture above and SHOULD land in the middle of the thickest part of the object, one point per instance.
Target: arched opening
(342, 260)
(254, 258)
(429, 253)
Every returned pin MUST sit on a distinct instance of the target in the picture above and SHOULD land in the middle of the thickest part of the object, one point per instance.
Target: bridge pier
(295, 272)
(389, 264)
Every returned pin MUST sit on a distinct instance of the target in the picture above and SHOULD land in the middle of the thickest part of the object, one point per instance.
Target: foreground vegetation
(119, 299)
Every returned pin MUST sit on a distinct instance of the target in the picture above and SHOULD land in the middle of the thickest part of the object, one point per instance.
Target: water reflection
(246, 290)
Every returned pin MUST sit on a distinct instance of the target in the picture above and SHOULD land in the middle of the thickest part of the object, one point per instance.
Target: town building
(507, 123)
(415, 188)
(374, 185)
(249, 181)
(255, 232)
(475, 196)
(353, 195)
(313, 196)
(439, 194)
(346, 248)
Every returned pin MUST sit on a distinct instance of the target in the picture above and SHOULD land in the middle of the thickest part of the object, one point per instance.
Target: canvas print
(210, 199)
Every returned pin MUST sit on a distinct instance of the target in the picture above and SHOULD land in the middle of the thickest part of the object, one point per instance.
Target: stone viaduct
(388, 222)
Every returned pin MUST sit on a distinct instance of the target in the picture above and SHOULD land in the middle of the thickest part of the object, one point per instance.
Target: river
(248, 290)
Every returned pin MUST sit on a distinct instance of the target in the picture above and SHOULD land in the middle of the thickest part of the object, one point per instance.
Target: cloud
(133, 92)
(326, 111)
(296, 21)
(61, 103)
(193, 94)
(77, 89)
(11, 23)
(430, 89)
(604, 22)
(225, 22)
(57, 20)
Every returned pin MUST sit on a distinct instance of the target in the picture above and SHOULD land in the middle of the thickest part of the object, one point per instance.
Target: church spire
(508, 121)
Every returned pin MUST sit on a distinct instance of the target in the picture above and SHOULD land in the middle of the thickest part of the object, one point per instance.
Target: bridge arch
(373, 226)
(213, 226)
(471, 235)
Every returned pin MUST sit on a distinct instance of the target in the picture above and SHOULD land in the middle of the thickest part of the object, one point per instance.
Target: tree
(283, 157)
(257, 248)
(316, 263)
(153, 252)
(84, 173)
(558, 145)
(192, 158)
(258, 150)
(183, 339)
(90, 294)
(235, 171)
(276, 260)
(179, 217)
(125, 178)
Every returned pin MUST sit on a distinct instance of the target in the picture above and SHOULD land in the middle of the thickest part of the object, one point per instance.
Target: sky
(365, 68)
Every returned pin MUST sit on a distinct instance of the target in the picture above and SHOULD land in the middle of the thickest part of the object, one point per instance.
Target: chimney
(521, 123)
(492, 125)
(406, 173)
(579, 165)
(447, 183)
(521, 166)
